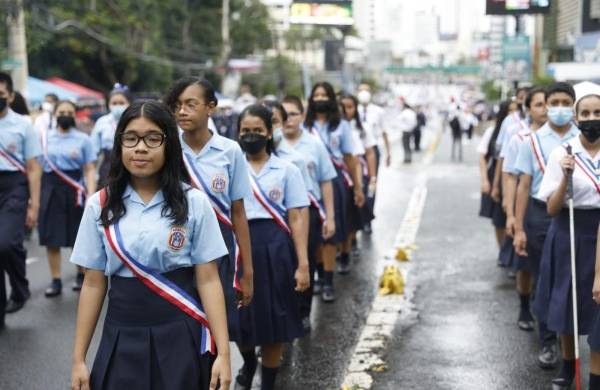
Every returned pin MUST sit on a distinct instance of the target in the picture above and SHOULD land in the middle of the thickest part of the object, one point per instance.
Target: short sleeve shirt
(18, 140)
(68, 151)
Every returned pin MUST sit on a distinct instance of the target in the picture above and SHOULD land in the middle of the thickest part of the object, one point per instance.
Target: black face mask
(590, 130)
(321, 105)
(253, 143)
(3, 103)
(65, 122)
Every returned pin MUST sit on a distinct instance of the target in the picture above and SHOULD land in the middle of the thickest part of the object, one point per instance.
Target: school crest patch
(219, 183)
(275, 194)
(176, 238)
(74, 154)
(12, 147)
(335, 142)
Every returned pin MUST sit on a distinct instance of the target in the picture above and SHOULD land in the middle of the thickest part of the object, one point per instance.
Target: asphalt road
(465, 335)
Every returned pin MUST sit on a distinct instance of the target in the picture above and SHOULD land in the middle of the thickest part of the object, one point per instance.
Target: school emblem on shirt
(335, 142)
(219, 183)
(74, 154)
(176, 238)
(12, 148)
(275, 194)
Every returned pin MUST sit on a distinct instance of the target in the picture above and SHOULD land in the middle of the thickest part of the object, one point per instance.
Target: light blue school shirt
(285, 152)
(339, 141)
(514, 128)
(319, 165)
(511, 152)
(506, 125)
(103, 134)
(222, 166)
(19, 139)
(149, 237)
(282, 183)
(548, 140)
(69, 151)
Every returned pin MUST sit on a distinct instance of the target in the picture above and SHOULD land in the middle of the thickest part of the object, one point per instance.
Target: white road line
(386, 310)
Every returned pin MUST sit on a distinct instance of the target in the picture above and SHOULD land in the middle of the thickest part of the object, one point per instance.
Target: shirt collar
(215, 142)
(10, 117)
(134, 197)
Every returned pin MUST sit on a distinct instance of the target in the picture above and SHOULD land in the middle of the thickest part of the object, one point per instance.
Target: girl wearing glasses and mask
(69, 174)
(156, 238)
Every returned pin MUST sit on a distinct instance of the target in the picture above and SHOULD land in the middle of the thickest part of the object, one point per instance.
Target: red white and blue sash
(221, 211)
(538, 152)
(276, 211)
(77, 186)
(339, 165)
(13, 160)
(520, 121)
(588, 168)
(316, 204)
(522, 134)
(159, 284)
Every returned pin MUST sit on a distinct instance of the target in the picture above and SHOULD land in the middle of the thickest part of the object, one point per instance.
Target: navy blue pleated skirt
(147, 342)
(507, 253)
(553, 293)
(227, 273)
(273, 316)
(59, 216)
(341, 194)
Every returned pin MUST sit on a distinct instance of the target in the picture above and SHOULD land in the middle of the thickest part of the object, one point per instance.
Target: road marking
(386, 310)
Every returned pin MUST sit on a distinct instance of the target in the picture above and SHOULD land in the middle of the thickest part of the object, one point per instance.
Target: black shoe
(526, 321)
(55, 288)
(548, 358)
(317, 287)
(306, 324)
(78, 283)
(328, 296)
(560, 383)
(13, 306)
(344, 266)
(242, 380)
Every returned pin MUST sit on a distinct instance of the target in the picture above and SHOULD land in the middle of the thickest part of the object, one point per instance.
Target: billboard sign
(516, 7)
(331, 13)
(516, 58)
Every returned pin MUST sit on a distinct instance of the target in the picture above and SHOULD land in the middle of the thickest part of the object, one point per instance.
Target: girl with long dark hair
(156, 238)
(324, 120)
(279, 249)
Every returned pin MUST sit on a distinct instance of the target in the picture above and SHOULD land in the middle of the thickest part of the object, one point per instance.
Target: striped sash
(13, 160)
(278, 213)
(339, 165)
(77, 186)
(538, 152)
(159, 284)
(588, 169)
(220, 209)
(316, 204)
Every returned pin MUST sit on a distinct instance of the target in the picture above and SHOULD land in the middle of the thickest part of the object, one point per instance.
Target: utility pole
(226, 41)
(17, 45)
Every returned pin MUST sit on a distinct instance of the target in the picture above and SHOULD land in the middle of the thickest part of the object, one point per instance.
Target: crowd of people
(543, 140)
(204, 239)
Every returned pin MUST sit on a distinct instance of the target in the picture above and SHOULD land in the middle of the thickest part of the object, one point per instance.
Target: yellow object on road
(392, 281)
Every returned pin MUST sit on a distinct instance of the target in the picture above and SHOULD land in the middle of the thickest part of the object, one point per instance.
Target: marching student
(531, 217)
(103, 133)
(68, 162)
(373, 116)
(322, 213)
(364, 143)
(323, 120)
(535, 104)
(216, 166)
(20, 174)
(488, 157)
(156, 238)
(554, 285)
(279, 249)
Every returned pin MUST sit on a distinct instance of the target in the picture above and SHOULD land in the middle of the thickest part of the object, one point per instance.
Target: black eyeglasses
(152, 140)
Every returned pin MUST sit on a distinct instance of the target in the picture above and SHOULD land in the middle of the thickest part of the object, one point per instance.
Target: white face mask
(277, 135)
(364, 97)
(48, 107)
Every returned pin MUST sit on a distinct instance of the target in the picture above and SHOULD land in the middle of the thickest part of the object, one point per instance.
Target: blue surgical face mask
(117, 110)
(277, 135)
(560, 116)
